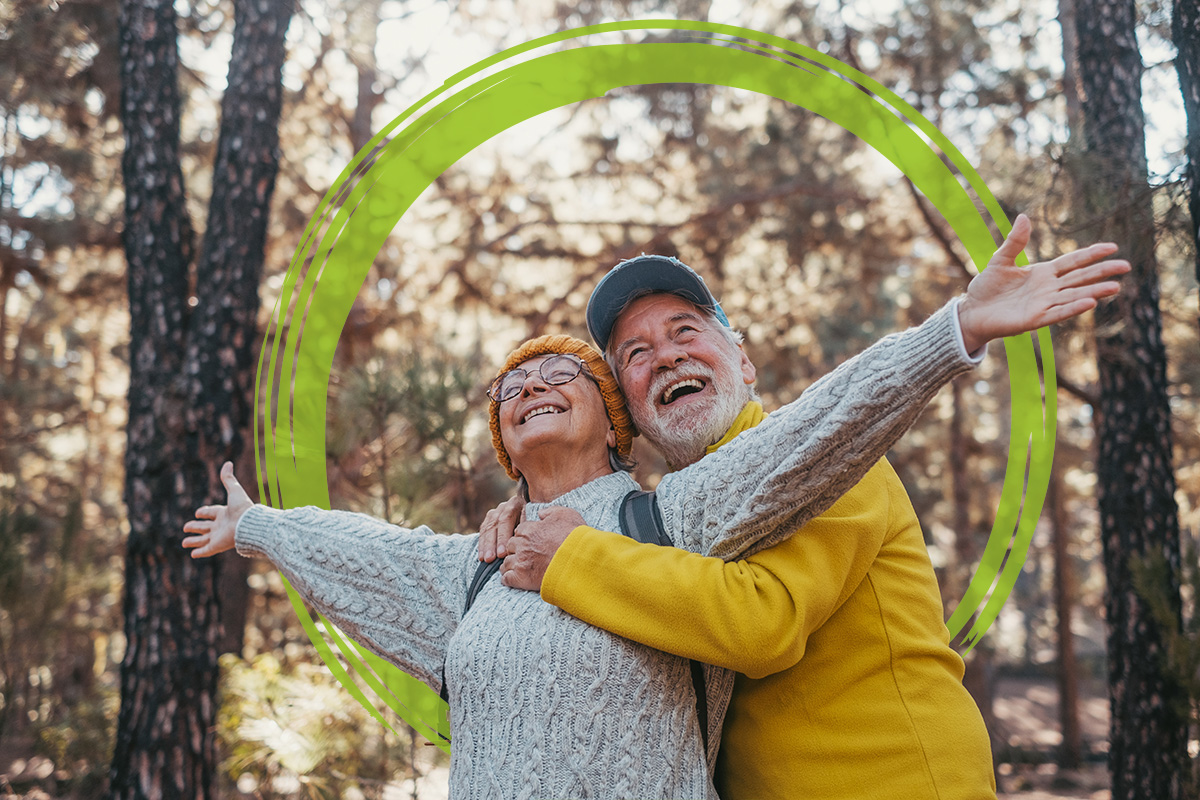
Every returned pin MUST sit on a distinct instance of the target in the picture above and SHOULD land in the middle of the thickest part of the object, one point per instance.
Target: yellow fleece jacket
(848, 688)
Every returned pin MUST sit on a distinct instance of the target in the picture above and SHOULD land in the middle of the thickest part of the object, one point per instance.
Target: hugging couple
(786, 637)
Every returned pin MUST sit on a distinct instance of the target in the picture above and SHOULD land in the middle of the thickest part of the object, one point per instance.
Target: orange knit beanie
(614, 401)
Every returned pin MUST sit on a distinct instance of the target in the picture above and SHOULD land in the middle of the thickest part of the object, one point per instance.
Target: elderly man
(847, 686)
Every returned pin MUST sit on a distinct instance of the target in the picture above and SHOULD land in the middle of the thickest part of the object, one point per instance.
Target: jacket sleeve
(752, 616)
(398, 592)
(758, 489)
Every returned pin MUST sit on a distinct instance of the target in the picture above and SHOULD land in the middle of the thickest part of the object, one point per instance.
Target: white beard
(683, 434)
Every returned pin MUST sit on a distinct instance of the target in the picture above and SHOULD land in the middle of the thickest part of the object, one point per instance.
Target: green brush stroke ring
(386, 177)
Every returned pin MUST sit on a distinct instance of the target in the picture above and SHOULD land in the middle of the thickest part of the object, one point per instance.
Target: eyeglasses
(554, 371)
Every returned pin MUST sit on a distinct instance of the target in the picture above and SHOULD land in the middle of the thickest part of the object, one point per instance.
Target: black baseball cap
(639, 276)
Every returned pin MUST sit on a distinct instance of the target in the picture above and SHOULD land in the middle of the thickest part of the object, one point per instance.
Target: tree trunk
(978, 673)
(222, 332)
(189, 379)
(363, 23)
(1066, 21)
(1185, 31)
(1070, 750)
(1138, 515)
(163, 747)
(233, 590)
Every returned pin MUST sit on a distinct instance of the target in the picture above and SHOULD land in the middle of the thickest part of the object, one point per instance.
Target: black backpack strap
(701, 701)
(483, 573)
(642, 521)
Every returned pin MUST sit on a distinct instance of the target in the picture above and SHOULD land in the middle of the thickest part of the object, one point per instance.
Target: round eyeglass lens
(509, 385)
(559, 369)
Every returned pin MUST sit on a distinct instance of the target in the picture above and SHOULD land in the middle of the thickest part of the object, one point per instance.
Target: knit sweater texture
(543, 705)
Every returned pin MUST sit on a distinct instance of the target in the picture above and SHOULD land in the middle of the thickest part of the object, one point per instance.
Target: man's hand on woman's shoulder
(534, 545)
(498, 528)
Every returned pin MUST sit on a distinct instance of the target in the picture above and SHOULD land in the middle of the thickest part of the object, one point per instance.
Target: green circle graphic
(386, 177)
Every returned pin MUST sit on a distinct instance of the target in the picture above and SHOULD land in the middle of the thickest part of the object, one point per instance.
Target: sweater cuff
(254, 534)
(932, 352)
(941, 353)
(972, 358)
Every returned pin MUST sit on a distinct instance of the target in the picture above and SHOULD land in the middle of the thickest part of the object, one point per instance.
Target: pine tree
(1138, 513)
(192, 331)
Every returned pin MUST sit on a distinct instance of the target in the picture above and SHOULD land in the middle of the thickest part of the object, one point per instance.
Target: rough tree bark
(190, 354)
(1070, 752)
(1138, 514)
(1185, 31)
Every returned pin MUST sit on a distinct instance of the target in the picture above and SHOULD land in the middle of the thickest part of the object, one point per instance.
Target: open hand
(1005, 300)
(215, 526)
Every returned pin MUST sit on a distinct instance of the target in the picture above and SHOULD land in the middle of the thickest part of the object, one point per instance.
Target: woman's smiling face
(543, 421)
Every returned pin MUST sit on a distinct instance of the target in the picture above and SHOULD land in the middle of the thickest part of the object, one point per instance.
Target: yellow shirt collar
(750, 415)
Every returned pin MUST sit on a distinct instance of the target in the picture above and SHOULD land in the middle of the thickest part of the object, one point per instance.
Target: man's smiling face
(684, 380)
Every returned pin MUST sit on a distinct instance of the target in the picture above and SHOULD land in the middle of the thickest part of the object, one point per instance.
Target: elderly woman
(543, 705)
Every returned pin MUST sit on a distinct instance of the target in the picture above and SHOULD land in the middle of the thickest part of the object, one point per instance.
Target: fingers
(1083, 257)
(205, 551)
(201, 546)
(509, 571)
(1093, 291)
(1015, 242)
(497, 529)
(1085, 273)
(515, 573)
(197, 526)
(208, 512)
(560, 512)
(1071, 302)
(209, 543)
(506, 526)
(1097, 291)
(508, 514)
(513, 561)
(522, 532)
(487, 537)
(1067, 310)
(232, 486)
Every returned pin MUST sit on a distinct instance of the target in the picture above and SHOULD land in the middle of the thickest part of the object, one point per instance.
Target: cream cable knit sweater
(541, 704)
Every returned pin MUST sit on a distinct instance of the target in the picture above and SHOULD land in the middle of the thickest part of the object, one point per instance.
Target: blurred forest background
(815, 245)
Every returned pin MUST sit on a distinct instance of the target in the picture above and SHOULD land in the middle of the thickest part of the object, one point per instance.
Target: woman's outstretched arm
(397, 591)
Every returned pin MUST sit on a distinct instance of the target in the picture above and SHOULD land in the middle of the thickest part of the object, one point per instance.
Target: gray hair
(620, 463)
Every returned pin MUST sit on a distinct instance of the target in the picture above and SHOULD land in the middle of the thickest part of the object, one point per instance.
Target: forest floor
(1025, 736)
(1026, 733)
